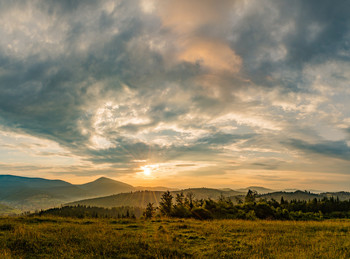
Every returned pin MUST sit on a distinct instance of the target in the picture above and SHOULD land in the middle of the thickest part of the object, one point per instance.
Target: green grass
(53, 237)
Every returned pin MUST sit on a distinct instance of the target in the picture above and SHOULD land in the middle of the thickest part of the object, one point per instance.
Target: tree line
(82, 211)
(249, 208)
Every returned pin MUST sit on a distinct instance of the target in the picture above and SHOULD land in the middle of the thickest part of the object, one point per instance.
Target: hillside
(297, 195)
(341, 195)
(104, 186)
(132, 199)
(156, 188)
(7, 210)
(28, 194)
(259, 189)
(142, 198)
(304, 195)
(25, 193)
(205, 193)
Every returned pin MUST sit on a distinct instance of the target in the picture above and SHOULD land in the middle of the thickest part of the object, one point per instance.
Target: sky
(178, 93)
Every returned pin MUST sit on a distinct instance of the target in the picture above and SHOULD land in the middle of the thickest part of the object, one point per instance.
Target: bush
(180, 212)
(202, 214)
(264, 211)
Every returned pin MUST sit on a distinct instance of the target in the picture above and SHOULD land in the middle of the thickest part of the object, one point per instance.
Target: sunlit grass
(53, 237)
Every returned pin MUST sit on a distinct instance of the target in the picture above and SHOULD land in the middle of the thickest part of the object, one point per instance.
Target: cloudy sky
(177, 93)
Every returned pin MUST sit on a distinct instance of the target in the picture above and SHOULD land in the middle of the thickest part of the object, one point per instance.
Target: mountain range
(28, 194)
(25, 193)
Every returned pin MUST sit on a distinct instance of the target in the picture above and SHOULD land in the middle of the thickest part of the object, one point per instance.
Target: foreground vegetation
(57, 237)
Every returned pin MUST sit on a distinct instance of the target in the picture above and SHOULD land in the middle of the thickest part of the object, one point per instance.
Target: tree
(166, 204)
(251, 195)
(179, 198)
(238, 200)
(180, 210)
(282, 200)
(149, 212)
(189, 200)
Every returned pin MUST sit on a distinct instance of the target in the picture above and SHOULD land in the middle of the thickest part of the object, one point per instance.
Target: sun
(147, 171)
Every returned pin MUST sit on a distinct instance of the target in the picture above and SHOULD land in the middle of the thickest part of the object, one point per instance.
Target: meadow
(56, 237)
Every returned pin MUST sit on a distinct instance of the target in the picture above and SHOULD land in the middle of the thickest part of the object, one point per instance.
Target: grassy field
(52, 237)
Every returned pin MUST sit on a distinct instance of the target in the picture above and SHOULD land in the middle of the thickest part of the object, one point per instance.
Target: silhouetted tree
(179, 198)
(166, 204)
(189, 200)
(251, 195)
(149, 212)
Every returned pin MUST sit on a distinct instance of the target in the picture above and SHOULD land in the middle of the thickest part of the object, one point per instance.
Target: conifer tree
(166, 204)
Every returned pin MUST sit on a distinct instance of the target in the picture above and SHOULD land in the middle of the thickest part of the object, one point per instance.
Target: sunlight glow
(148, 170)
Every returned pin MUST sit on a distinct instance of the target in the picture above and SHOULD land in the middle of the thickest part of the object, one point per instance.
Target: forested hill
(142, 198)
(132, 199)
(29, 194)
(304, 195)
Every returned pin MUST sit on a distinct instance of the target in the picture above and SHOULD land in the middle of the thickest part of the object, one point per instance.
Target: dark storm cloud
(37, 96)
(336, 149)
(280, 37)
(47, 96)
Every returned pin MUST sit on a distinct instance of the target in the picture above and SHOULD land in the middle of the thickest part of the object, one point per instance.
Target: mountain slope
(17, 187)
(133, 199)
(142, 198)
(13, 181)
(304, 195)
(27, 193)
(104, 186)
(7, 210)
(205, 193)
(297, 195)
(156, 188)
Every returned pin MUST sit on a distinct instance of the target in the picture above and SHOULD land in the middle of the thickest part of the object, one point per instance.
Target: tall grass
(54, 237)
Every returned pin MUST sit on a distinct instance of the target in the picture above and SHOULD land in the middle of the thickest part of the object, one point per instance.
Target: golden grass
(53, 237)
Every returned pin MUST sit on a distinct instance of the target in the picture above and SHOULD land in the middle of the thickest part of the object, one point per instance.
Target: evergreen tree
(190, 197)
(149, 212)
(166, 204)
(282, 200)
(179, 199)
(250, 197)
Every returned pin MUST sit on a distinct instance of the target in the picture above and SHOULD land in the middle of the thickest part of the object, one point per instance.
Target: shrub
(202, 214)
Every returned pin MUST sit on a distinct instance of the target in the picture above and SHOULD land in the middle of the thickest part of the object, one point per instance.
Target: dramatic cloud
(237, 92)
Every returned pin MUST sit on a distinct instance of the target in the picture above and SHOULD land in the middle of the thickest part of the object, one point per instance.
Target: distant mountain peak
(106, 180)
(105, 186)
